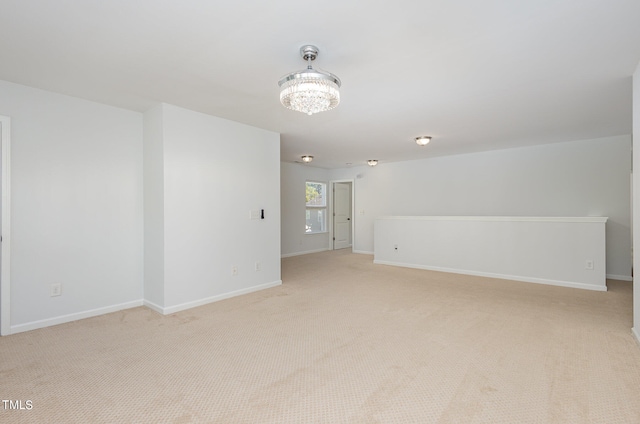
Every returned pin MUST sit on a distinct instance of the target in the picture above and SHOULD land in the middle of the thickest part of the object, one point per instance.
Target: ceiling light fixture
(310, 91)
(372, 162)
(307, 158)
(423, 140)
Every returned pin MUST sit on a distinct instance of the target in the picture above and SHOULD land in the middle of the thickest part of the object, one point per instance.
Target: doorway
(342, 205)
(5, 238)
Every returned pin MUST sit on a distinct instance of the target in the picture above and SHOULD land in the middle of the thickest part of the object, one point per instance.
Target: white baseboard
(114, 308)
(200, 302)
(619, 277)
(363, 252)
(501, 276)
(153, 306)
(73, 317)
(288, 255)
(634, 331)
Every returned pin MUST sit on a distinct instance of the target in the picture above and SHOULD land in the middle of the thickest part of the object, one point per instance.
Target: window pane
(316, 212)
(315, 221)
(316, 194)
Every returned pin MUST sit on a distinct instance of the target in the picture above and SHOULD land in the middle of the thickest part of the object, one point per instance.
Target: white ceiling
(475, 75)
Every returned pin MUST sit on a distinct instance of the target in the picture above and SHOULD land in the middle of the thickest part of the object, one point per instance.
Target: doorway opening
(342, 225)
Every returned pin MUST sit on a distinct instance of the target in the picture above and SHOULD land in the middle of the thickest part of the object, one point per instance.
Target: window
(316, 208)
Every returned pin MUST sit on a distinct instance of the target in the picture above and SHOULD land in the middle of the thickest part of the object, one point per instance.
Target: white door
(341, 215)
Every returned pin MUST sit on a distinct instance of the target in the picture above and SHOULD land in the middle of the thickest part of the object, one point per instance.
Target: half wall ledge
(560, 251)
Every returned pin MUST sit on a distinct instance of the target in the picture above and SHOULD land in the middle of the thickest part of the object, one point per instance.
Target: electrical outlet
(258, 266)
(56, 289)
(234, 270)
(588, 264)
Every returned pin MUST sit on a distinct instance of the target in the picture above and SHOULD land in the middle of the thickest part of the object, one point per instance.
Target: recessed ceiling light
(307, 158)
(423, 140)
(372, 162)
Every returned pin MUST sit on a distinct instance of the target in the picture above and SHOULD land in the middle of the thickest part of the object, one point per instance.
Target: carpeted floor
(341, 341)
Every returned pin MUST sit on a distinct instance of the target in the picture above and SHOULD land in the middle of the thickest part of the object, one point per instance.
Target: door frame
(5, 276)
(353, 204)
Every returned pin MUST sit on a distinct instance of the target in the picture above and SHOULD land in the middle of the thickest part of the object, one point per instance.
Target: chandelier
(310, 91)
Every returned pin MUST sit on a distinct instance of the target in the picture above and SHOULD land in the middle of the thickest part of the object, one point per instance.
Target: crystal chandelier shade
(310, 91)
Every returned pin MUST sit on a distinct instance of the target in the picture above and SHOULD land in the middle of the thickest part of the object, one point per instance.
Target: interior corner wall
(636, 201)
(153, 209)
(575, 178)
(76, 188)
(293, 177)
(216, 172)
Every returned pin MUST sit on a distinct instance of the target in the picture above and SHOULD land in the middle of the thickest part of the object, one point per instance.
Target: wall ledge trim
(569, 284)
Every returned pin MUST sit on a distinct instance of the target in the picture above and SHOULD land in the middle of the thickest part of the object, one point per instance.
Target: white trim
(594, 219)
(619, 277)
(207, 300)
(635, 333)
(501, 276)
(363, 252)
(306, 252)
(152, 306)
(74, 317)
(5, 278)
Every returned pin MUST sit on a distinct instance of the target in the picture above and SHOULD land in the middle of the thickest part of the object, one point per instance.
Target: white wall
(294, 240)
(579, 178)
(561, 251)
(215, 173)
(153, 207)
(76, 188)
(636, 200)
(119, 207)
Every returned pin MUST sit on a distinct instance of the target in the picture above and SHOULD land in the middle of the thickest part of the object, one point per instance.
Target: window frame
(324, 208)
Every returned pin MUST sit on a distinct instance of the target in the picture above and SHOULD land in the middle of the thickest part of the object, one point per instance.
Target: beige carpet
(341, 341)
